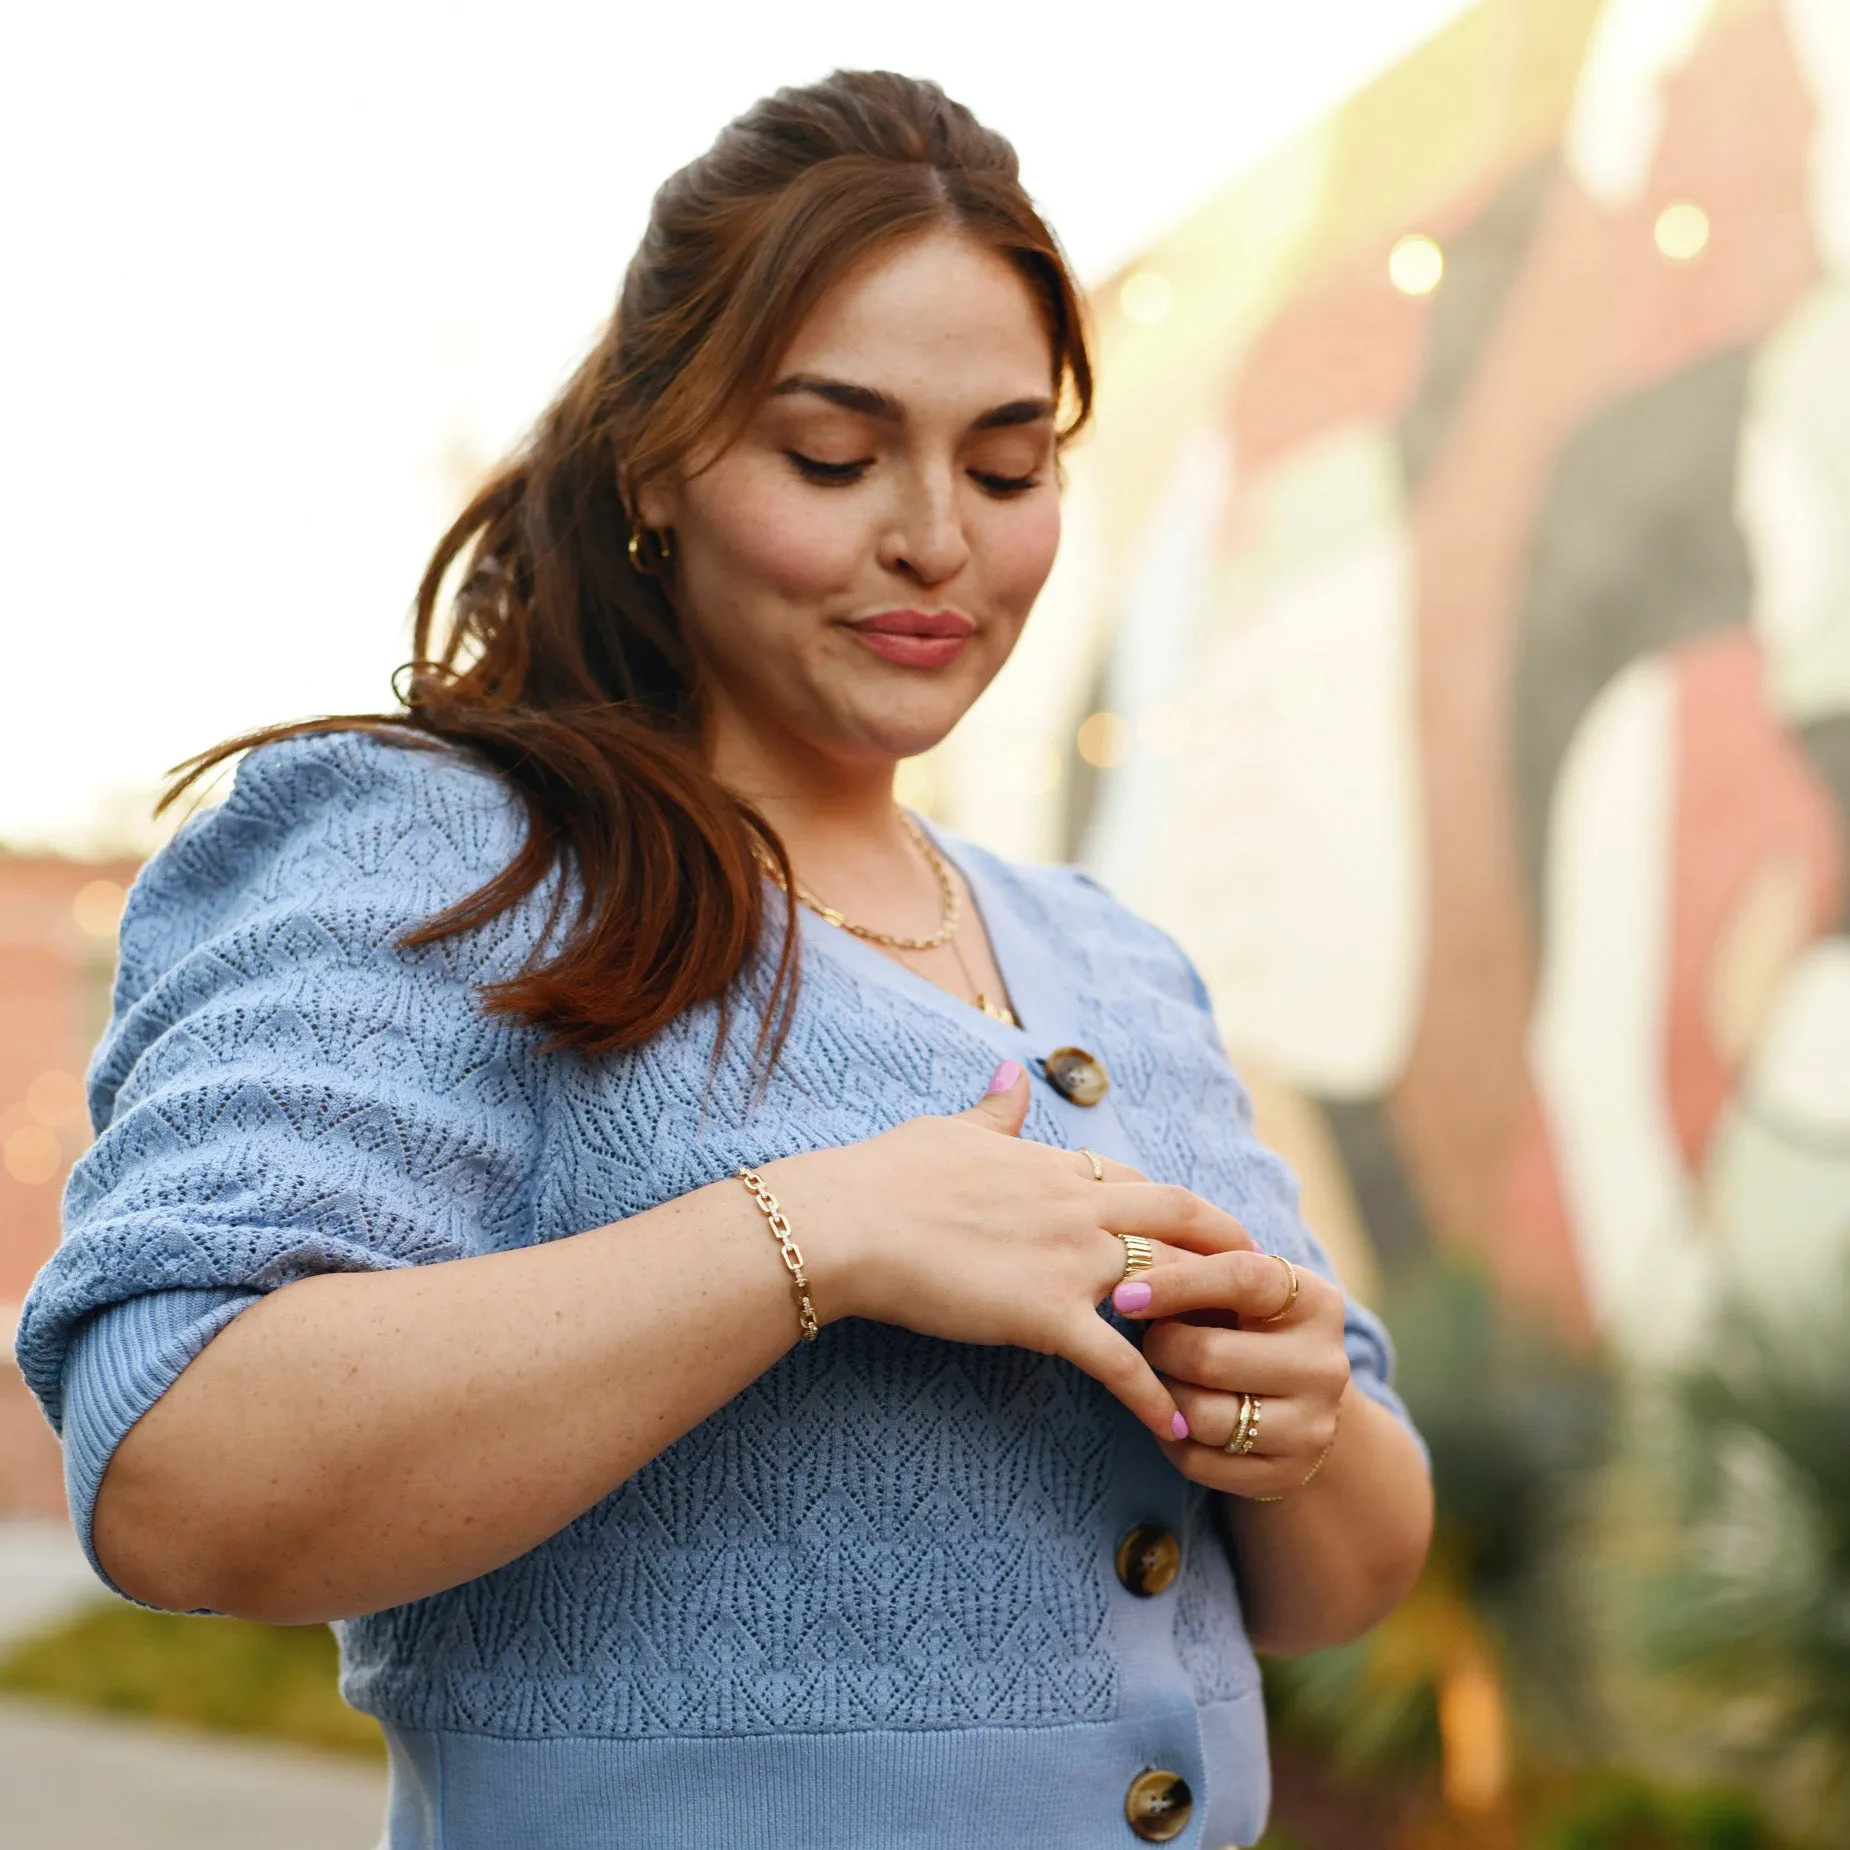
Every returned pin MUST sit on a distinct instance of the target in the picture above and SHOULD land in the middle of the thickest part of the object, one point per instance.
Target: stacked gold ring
(1139, 1255)
(1246, 1430)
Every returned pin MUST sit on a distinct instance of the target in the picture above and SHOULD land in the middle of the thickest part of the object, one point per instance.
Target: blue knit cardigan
(871, 1601)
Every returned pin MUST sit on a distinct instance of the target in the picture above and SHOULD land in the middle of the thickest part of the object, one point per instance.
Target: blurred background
(1451, 645)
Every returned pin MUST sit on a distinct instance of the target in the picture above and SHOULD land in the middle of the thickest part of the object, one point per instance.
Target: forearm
(1328, 1561)
(359, 1440)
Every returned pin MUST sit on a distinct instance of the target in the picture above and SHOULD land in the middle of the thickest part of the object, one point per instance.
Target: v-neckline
(833, 940)
(1033, 973)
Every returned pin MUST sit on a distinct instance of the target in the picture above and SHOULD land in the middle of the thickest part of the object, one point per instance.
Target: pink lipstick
(916, 638)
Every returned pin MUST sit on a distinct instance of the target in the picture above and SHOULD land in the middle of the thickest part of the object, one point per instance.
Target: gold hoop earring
(663, 550)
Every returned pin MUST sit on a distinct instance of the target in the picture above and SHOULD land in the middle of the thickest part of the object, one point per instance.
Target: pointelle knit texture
(889, 1560)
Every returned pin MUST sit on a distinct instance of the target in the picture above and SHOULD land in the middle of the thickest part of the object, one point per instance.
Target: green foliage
(1757, 1611)
(1616, 1812)
(1519, 1429)
(276, 1681)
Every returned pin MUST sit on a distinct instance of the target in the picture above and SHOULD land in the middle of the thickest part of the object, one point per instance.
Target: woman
(659, 1319)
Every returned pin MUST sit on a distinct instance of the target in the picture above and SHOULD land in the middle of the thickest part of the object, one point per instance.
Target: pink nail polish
(1179, 1427)
(1004, 1077)
(1132, 1295)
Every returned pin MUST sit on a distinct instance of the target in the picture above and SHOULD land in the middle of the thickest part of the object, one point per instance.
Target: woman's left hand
(1297, 1365)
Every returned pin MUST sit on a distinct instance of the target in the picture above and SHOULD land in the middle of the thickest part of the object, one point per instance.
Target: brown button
(1158, 1805)
(1149, 1558)
(1076, 1075)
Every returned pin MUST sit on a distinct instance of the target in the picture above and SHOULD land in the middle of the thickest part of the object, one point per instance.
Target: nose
(925, 539)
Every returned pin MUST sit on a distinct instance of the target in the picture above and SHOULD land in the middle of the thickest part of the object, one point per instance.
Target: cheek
(1018, 549)
(767, 534)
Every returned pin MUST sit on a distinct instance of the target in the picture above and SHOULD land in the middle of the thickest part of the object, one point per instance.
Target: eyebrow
(866, 402)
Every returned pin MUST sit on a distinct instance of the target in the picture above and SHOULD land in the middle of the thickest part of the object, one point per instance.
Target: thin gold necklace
(950, 917)
(996, 1011)
(950, 913)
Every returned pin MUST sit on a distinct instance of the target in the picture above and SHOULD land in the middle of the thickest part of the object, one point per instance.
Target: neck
(838, 823)
(815, 803)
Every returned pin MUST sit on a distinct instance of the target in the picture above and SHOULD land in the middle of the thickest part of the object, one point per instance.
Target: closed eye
(837, 475)
(1004, 485)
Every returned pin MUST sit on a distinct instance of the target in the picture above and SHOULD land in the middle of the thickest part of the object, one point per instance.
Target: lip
(915, 638)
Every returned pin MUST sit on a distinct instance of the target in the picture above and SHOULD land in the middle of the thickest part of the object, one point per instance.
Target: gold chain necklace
(950, 917)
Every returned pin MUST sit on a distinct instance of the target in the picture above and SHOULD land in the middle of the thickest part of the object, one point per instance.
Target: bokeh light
(1104, 740)
(1146, 297)
(1416, 265)
(33, 1155)
(1682, 231)
(97, 908)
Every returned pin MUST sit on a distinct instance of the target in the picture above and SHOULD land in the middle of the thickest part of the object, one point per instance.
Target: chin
(903, 730)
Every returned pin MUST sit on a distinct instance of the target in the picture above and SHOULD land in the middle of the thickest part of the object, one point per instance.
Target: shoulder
(1089, 923)
(323, 815)
(328, 848)
(356, 804)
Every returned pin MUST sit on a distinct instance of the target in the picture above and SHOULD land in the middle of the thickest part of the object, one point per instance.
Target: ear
(656, 504)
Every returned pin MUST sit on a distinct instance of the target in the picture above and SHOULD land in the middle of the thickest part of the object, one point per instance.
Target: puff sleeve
(283, 1090)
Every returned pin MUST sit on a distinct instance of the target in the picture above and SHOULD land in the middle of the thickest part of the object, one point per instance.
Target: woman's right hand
(957, 1228)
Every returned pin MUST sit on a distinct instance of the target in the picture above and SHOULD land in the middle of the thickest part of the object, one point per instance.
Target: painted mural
(1454, 646)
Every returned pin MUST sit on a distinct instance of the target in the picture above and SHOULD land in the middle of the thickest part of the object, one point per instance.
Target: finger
(1312, 1363)
(1118, 1366)
(1132, 1294)
(1282, 1429)
(1161, 1211)
(1004, 1106)
(1256, 1285)
(1211, 1414)
(1226, 1361)
(1252, 1476)
(1115, 1171)
(1095, 1167)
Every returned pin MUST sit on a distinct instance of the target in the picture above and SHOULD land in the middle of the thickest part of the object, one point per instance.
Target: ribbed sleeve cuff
(121, 1362)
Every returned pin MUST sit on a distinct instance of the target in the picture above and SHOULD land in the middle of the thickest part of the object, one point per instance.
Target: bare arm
(356, 1441)
(361, 1439)
(1337, 1556)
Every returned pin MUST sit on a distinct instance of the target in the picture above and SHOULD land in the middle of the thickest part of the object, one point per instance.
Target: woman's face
(856, 568)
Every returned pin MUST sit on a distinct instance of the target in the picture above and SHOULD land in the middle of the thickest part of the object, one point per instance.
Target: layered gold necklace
(950, 916)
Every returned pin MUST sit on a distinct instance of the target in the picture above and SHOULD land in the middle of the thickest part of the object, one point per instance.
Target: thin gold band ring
(1278, 1316)
(1098, 1166)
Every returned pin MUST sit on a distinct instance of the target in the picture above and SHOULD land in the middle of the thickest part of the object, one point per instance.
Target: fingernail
(1003, 1077)
(1179, 1427)
(1132, 1295)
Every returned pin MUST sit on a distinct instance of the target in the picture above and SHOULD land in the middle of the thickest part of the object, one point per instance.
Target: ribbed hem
(121, 1362)
(961, 1789)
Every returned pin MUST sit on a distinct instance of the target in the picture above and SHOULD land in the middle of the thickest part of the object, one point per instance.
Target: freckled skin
(771, 565)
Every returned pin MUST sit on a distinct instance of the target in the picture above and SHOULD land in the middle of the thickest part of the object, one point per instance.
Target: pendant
(996, 1012)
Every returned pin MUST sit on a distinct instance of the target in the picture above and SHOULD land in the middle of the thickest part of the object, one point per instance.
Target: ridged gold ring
(1139, 1255)
(1092, 1157)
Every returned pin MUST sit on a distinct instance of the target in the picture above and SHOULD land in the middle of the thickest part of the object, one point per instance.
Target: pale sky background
(278, 277)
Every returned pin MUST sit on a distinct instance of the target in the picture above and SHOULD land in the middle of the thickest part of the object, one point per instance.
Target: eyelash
(845, 475)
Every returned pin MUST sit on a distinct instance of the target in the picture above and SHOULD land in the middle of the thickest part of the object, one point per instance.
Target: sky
(283, 278)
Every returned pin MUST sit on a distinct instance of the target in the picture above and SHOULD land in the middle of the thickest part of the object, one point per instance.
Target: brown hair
(562, 663)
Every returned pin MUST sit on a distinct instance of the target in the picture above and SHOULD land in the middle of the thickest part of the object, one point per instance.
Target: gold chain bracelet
(787, 1247)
